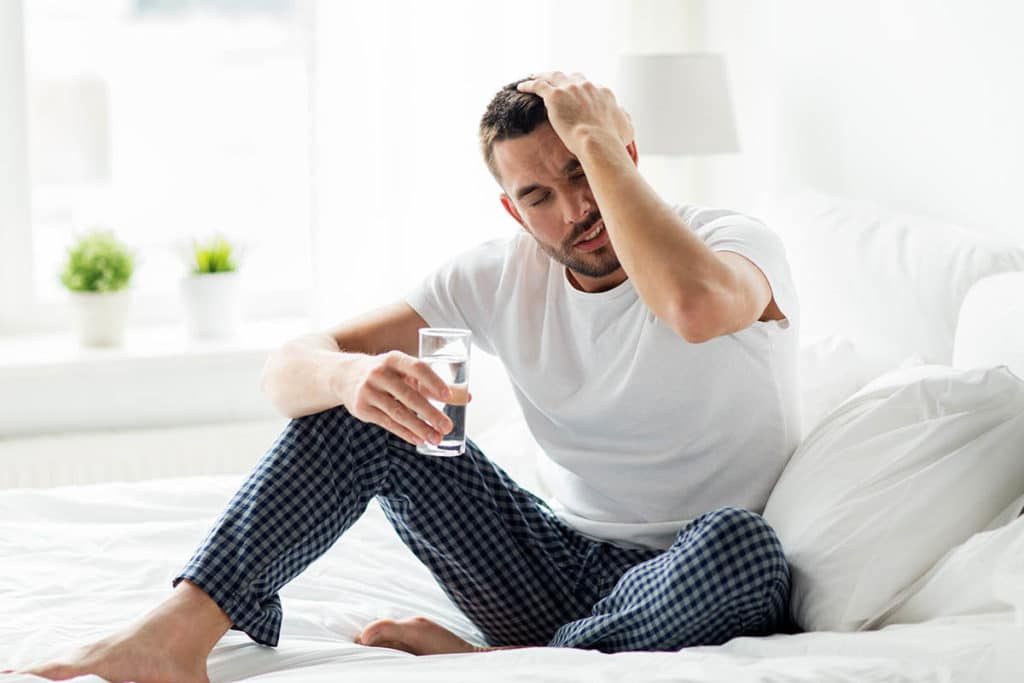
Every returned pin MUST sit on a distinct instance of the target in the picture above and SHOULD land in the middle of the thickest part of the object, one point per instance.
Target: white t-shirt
(641, 430)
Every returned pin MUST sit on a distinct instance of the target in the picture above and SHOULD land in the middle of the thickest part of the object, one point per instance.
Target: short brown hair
(511, 114)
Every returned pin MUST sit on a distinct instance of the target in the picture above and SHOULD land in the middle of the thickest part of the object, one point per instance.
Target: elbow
(693, 319)
(693, 331)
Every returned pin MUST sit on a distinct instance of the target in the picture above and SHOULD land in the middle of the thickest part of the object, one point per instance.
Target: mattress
(76, 562)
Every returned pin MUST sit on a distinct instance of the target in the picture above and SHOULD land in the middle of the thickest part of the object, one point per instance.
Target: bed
(75, 560)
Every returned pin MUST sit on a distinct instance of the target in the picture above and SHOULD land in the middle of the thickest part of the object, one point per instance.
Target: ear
(511, 209)
(631, 150)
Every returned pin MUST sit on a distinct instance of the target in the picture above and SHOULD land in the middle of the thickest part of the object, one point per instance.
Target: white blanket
(77, 561)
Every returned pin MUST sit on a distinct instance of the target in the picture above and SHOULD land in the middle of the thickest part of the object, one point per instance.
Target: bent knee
(745, 547)
(743, 536)
(736, 523)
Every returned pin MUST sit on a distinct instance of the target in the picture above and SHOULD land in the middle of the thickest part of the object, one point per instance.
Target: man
(652, 350)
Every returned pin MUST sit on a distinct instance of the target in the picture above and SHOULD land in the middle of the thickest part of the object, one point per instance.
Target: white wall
(401, 85)
(917, 104)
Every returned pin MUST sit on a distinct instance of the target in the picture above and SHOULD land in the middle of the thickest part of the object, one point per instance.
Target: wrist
(339, 373)
(599, 145)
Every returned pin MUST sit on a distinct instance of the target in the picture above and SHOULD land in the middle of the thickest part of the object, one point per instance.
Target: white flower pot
(100, 317)
(212, 303)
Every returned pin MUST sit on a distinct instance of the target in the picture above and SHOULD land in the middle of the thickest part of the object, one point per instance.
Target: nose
(579, 205)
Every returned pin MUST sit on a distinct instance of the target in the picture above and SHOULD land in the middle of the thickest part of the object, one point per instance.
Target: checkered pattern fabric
(505, 559)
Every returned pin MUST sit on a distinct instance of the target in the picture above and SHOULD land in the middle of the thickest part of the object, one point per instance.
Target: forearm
(306, 375)
(671, 268)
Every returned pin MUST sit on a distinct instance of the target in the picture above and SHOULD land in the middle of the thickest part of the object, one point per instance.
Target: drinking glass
(446, 351)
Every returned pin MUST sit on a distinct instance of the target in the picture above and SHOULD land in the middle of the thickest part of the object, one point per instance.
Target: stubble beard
(598, 263)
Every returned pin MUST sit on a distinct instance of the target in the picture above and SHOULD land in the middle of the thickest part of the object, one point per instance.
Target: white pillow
(990, 329)
(831, 370)
(907, 468)
(970, 578)
(890, 282)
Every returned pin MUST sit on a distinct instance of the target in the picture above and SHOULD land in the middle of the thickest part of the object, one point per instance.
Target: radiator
(129, 455)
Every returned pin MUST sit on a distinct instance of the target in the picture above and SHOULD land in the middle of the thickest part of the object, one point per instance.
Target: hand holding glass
(446, 351)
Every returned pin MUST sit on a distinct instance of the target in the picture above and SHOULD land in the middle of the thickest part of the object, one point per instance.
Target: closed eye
(541, 200)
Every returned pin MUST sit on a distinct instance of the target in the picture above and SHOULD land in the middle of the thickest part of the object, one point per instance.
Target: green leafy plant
(98, 262)
(214, 256)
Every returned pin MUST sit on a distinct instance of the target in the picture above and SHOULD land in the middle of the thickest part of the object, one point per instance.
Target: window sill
(158, 377)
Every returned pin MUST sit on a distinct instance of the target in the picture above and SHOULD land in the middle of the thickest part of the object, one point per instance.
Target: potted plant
(210, 290)
(97, 275)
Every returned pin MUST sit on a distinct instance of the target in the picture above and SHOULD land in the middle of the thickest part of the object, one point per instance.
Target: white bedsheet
(76, 561)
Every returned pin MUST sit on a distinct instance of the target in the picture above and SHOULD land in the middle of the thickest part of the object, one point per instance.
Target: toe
(419, 636)
(382, 629)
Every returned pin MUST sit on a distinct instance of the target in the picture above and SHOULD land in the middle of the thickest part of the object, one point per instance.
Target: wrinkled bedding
(75, 561)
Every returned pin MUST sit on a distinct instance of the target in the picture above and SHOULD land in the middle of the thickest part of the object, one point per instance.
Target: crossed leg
(724, 576)
(517, 571)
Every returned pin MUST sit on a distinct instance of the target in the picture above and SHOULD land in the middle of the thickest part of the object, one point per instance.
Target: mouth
(596, 237)
(591, 233)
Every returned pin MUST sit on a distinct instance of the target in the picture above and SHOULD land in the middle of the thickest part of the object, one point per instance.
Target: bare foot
(418, 636)
(168, 645)
(125, 658)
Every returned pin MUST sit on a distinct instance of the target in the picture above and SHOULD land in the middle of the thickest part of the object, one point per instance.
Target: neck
(596, 285)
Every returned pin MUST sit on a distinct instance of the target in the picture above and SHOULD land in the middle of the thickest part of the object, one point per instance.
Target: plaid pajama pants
(505, 559)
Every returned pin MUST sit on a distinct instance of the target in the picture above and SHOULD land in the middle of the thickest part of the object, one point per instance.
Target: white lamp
(679, 103)
(990, 328)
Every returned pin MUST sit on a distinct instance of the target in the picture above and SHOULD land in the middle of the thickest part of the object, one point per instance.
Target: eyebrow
(570, 166)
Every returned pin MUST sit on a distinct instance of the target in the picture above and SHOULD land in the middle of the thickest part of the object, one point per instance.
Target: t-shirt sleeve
(461, 293)
(724, 230)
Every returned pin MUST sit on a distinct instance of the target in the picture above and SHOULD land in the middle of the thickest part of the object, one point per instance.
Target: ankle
(188, 622)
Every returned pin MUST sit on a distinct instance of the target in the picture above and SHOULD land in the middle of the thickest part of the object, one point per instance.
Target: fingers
(557, 78)
(426, 378)
(410, 420)
(545, 82)
(535, 86)
(415, 401)
(395, 397)
(378, 416)
(407, 418)
(385, 410)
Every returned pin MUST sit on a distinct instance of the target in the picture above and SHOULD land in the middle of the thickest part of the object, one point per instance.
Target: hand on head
(577, 108)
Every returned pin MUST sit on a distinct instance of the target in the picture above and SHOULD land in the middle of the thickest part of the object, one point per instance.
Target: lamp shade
(679, 103)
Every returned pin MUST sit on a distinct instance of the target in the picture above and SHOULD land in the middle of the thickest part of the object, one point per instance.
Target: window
(167, 120)
(171, 119)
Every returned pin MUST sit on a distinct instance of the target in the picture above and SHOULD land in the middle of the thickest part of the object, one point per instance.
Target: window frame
(21, 309)
(15, 203)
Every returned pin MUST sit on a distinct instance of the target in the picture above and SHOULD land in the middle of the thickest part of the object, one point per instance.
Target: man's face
(547, 192)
